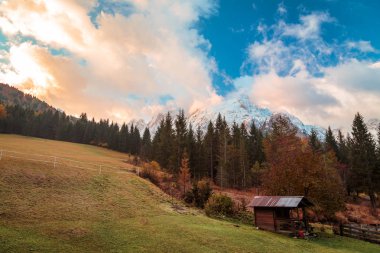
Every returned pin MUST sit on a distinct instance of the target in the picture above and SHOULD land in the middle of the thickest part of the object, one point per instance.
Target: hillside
(12, 96)
(67, 209)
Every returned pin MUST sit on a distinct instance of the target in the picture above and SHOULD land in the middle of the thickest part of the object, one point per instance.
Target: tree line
(276, 159)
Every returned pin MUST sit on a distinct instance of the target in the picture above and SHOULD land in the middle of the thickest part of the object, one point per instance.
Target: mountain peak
(238, 109)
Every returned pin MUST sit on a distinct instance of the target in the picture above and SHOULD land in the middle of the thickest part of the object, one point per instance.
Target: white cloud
(281, 9)
(293, 77)
(309, 28)
(361, 45)
(151, 52)
(334, 99)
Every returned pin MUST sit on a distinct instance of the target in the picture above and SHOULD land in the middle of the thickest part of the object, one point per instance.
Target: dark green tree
(314, 142)
(330, 141)
(364, 172)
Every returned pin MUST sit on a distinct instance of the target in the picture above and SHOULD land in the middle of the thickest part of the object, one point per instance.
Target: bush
(199, 193)
(151, 172)
(219, 205)
(150, 175)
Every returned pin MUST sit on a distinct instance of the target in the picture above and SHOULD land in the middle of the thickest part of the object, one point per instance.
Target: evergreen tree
(146, 145)
(210, 147)
(232, 170)
(124, 131)
(243, 154)
(180, 138)
(222, 141)
(342, 156)
(200, 166)
(363, 160)
(255, 145)
(330, 141)
(191, 149)
(314, 142)
(135, 141)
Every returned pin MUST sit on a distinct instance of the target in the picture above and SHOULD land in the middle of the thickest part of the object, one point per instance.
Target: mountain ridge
(10, 95)
(238, 109)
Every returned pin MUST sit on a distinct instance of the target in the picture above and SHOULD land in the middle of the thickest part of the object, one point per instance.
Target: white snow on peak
(238, 109)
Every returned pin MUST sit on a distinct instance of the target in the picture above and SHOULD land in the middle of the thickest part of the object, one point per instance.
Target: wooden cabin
(280, 213)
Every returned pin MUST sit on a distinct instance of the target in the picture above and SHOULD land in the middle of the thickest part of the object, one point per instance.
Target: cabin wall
(264, 218)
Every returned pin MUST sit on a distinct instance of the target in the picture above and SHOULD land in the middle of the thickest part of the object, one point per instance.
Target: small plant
(219, 205)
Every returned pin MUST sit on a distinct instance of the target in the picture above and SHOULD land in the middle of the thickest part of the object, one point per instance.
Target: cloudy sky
(125, 59)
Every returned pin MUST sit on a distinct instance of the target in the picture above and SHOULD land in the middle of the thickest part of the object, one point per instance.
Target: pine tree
(146, 145)
(191, 150)
(210, 147)
(330, 142)
(200, 166)
(222, 142)
(314, 142)
(342, 149)
(243, 153)
(232, 170)
(363, 160)
(255, 146)
(180, 138)
(342, 156)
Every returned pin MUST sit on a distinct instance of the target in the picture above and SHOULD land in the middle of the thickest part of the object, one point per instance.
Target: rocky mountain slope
(235, 109)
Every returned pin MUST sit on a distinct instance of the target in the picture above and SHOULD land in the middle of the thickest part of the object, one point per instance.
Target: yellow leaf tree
(184, 173)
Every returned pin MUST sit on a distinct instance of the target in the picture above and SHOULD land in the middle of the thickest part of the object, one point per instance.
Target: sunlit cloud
(295, 77)
(153, 51)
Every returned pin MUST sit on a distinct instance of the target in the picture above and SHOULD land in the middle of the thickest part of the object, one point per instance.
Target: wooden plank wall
(264, 219)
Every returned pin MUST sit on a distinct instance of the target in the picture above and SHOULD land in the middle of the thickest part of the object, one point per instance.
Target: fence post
(1, 154)
(341, 229)
(55, 161)
(100, 169)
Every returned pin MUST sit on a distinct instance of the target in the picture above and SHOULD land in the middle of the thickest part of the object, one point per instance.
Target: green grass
(65, 209)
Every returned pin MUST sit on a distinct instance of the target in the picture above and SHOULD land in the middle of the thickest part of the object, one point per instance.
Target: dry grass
(359, 213)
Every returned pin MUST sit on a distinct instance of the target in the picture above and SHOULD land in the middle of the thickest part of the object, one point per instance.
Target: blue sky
(233, 28)
(124, 59)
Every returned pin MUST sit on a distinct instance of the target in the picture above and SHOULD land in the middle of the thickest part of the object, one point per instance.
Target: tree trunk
(373, 203)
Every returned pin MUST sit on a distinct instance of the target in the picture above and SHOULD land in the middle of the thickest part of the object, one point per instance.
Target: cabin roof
(280, 201)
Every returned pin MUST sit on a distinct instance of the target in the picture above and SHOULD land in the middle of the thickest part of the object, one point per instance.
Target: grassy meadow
(67, 209)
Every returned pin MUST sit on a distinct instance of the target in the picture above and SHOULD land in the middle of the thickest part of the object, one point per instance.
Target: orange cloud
(151, 52)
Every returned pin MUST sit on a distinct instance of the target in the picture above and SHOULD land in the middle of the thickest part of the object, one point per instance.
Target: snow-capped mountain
(235, 109)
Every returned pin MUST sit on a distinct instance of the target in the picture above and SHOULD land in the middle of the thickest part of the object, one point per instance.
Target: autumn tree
(184, 173)
(294, 169)
(3, 112)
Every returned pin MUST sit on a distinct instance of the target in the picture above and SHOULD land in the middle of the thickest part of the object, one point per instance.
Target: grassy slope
(65, 209)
